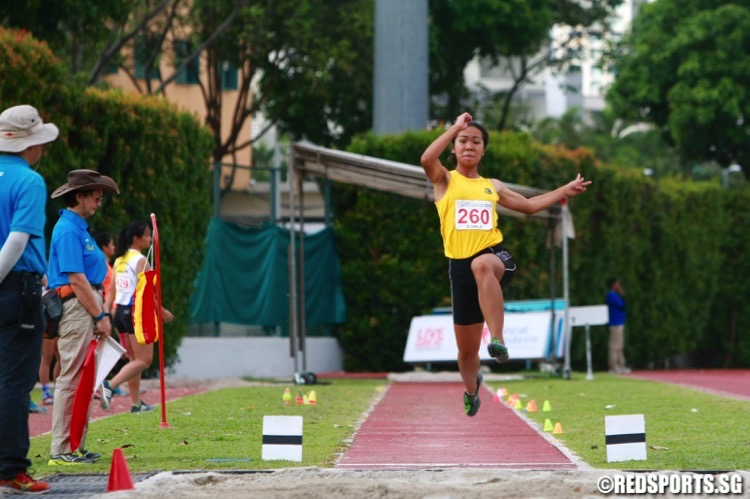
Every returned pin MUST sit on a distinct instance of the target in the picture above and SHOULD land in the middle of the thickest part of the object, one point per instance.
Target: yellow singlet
(468, 219)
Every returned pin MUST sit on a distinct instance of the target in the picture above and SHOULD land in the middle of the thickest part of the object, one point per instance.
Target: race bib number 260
(473, 215)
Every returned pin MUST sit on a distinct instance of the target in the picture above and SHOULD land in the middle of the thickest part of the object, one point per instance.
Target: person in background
(616, 304)
(49, 369)
(479, 265)
(133, 240)
(106, 243)
(77, 268)
(23, 198)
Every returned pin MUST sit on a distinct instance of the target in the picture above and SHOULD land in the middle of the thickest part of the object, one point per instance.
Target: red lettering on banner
(429, 339)
(486, 335)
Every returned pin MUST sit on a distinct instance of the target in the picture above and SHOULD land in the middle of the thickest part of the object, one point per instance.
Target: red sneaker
(24, 484)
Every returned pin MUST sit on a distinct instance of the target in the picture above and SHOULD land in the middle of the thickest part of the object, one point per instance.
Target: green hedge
(676, 246)
(158, 156)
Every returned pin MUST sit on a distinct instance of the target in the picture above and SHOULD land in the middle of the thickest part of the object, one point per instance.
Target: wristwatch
(102, 316)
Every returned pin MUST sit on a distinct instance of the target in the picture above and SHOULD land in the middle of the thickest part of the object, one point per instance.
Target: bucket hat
(21, 127)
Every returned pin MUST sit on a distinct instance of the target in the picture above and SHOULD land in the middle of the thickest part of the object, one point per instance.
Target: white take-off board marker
(626, 438)
(282, 438)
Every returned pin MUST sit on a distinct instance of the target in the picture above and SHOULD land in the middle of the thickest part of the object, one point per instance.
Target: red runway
(423, 425)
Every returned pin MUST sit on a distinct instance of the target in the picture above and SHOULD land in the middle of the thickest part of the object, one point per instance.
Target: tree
(685, 67)
(490, 28)
(314, 61)
(311, 60)
(77, 28)
(613, 140)
(514, 34)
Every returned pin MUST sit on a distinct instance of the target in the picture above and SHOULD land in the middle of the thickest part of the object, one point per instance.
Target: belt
(65, 292)
(18, 277)
(24, 272)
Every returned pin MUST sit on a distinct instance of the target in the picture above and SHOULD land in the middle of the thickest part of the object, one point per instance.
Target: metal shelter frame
(307, 159)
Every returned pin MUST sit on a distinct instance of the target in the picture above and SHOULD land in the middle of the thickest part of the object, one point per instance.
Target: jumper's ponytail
(134, 229)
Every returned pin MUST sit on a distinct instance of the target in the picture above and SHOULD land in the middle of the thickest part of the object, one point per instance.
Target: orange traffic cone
(531, 406)
(558, 429)
(299, 399)
(119, 474)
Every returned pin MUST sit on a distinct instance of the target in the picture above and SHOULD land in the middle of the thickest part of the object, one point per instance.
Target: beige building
(185, 92)
(254, 196)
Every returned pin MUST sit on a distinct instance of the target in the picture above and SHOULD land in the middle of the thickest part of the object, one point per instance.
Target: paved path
(727, 382)
(423, 425)
(40, 424)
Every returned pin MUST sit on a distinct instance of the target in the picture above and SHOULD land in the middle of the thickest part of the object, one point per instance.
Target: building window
(110, 68)
(191, 73)
(143, 51)
(228, 76)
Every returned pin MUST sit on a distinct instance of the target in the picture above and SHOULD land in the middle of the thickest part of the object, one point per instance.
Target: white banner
(527, 336)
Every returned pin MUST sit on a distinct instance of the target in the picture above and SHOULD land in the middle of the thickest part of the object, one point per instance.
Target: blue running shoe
(47, 398)
(144, 407)
(93, 456)
(33, 408)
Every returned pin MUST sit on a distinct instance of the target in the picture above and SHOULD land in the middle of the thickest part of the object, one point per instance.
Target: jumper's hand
(577, 186)
(463, 121)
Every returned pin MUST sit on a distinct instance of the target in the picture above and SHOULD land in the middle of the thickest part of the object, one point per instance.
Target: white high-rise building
(551, 94)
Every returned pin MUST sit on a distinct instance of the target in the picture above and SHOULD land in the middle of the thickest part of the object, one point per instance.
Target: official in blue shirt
(616, 304)
(23, 197)
(75, 251)
(77, 268)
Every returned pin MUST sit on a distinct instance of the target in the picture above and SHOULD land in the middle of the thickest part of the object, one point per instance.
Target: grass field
(223, 430)
(685, 429)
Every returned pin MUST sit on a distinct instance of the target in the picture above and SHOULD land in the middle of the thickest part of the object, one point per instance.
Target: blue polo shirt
(23, 197)
(74, 250)
(616, 304)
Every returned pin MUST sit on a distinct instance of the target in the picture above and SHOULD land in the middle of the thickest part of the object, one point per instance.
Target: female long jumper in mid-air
(478, 264)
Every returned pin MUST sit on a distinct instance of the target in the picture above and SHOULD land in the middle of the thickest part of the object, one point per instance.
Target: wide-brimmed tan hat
(21, 127)
(86, 179)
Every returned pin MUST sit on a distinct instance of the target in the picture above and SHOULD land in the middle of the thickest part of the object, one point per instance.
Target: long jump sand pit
(399, 484)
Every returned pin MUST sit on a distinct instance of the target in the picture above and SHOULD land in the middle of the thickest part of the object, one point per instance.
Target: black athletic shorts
(124, 319)
(464, 293)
